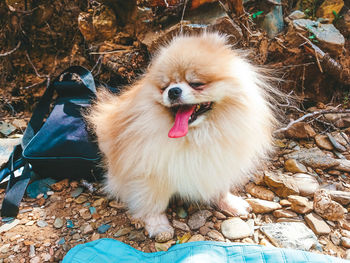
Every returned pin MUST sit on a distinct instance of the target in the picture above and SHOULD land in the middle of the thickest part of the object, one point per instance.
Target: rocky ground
(301, 197)
(300, 200)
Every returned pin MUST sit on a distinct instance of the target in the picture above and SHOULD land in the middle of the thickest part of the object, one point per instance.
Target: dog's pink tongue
(180, 127)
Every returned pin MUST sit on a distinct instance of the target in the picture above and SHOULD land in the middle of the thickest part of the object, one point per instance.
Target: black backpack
(59, 146)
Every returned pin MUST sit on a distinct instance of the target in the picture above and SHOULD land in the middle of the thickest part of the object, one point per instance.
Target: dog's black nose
(174, 93)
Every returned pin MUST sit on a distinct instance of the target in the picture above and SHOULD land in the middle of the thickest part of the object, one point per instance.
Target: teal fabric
(112, 251)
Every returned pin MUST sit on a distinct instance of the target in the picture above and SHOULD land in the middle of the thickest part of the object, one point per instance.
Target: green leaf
(312, 37)
(256, 14)
(335, 13)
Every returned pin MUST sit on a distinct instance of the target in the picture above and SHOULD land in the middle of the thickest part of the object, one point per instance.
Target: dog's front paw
(159, 227)
(234, 205)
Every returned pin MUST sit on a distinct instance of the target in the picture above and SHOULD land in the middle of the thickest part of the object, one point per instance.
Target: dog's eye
(196, 85)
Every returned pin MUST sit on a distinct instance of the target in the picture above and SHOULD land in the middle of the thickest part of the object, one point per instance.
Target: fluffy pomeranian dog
(195, 126)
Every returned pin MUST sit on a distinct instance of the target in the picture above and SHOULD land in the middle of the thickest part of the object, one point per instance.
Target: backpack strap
(43, 107)
(14, 192)
(17, 186)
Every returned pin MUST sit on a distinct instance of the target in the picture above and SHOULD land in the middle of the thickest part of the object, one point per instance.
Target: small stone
(341, 197)
(317, 224)
(137, 236)
(326, 207)
(335, 238)
(58, 223)
(292, 165)
(5, 248)
(344, 165)
(273, 21)
(198, 219)
(219, 215)
(285, 202)
(76, 192)
(297, 14)
(307, 184)
(290, 235)
(345, 225)
(196, 237)
(259, 192)
(235, 228)
(289, 219)
(300, 130)
(181, 225)
(300, 204)
(70, 223)
(123, 231)
(345, 233)
(164, 237)
(46, 256)
(76, 236)
(85, 214)
(314, 158)
(345, 242)
(8, 226)
(323, 142)
(248, 240)
(81, 199)
(95, 236)
(103, 228)
(334, 172)
(181, 212)
(59, 186)
(6, 128)
(335, 143)
(19, 123)
(42, 223)
(204, 230)
(92, 210)
(116, 205)
(284, 213)
(184, 238)
(163, 246)
(283, 185)
(263, 206)
(88, 229)
(216, 235)
(61, 241)
(31, 251)
(35, 260)
(98, 202)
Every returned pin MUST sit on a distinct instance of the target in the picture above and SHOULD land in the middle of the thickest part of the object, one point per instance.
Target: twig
(47, 77)
(318, 62)
(312, 114)
(303, 81)
(35, 84)
(182, 16)
(36, 71)
(107, 52)
(298, 65)
(316, 56)
(11, 51)
(97, 64)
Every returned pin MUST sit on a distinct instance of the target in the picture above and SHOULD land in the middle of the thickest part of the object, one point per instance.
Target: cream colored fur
(146, 167)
